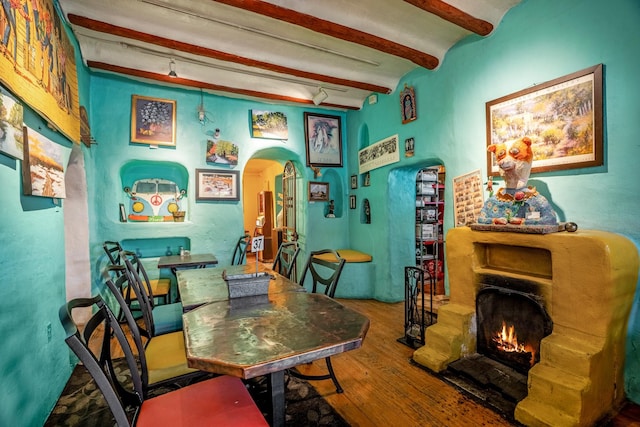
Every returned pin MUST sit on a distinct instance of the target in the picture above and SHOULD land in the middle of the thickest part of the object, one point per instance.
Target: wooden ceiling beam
(115, 30)
(96, 65)
(454, 15)
(335, 30)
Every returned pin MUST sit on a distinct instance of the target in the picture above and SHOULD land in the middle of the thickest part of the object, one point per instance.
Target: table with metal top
(198, 287)
(177, 262)
(265, 335)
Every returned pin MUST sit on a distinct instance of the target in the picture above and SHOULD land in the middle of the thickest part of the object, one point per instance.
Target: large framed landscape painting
(562, 117)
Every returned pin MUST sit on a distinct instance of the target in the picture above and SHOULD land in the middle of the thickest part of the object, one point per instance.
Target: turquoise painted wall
(33, 367)
(537, 41)
(210, 226)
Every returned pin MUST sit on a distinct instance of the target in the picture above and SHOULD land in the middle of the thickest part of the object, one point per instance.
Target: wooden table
(254, 336)
(198, 287)
(177, 262)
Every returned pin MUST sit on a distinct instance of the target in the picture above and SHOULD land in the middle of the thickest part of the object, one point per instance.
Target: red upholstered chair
(220, 401)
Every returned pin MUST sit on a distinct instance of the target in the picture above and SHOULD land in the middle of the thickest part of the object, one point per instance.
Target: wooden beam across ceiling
(204, 85)
(115, 30)
(454, 15)
(335, 30)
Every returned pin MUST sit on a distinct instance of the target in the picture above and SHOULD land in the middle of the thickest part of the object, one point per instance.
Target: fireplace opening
(511, 325)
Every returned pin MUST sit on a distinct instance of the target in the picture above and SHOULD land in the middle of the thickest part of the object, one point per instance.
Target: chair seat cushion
(349, 255)
(167, 318)
(159, 287)
(166, 357)
(221, 401)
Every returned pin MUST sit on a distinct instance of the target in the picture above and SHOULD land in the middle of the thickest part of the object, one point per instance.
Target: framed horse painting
(323, 140)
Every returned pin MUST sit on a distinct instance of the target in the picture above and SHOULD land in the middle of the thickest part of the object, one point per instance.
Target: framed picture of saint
(408, 104)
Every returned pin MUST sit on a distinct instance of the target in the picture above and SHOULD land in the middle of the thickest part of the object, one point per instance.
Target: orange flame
(507, 341)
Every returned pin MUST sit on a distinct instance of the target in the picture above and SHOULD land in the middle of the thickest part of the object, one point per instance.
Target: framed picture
(366, 180)
(352, 201)
(269, 125)
(354, 182)
(408, 104)
(153, 120)
(12, 134)
(222, 152)
(323, 139)
(408, 147)
(217, 185)
(562, 117)
(318, 191)
(43, 166)
(468, 198)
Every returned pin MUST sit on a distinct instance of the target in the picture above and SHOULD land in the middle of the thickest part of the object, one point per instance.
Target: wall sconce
(172, 68)
(316, 172)
(320, 96)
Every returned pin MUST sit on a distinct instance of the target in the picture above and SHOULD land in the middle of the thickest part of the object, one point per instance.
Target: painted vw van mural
(154, 199)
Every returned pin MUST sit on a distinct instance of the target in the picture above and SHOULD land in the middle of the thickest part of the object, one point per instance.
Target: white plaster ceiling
(277, 50)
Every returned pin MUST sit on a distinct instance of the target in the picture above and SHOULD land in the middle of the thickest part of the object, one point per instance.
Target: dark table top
(253, 336)
(187, 261)
(201, 286)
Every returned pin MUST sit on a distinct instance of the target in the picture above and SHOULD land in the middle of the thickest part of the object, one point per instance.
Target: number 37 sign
(257, 244)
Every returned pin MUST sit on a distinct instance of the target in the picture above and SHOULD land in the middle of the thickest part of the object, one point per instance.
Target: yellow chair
(162, 357)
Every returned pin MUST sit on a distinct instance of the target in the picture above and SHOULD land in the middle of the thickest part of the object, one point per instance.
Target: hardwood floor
(382, 387)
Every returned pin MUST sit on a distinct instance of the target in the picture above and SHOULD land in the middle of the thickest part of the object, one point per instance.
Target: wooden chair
(285, 261)
(163, 358)
(159, 288)
(240, 251)
(323, 274)
(160, 319)
(220, 401)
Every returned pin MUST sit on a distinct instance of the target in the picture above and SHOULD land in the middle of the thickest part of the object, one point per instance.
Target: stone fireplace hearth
(586, 281)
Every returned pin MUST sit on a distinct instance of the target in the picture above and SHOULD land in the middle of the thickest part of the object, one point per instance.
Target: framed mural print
(323, 139)
(153, 120)
(43, 166)
(318, 191)
(216, 185)
(562, 118)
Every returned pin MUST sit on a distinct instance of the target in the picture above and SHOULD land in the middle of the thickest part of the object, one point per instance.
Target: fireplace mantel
(587, 280)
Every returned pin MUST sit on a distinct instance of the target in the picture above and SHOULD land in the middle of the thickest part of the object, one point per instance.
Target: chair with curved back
(240, 251)
(285, 261)
(160, 288)
(162, 358)
(222, 400)
(161, 319)
(325, 267)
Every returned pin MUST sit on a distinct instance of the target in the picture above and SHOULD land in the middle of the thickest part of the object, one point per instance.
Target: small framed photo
(352, 201)
(354, 182)
(216, 185)
(318, 191)
(408, 147)
(366, 180)
(323, 140)
(153, 120)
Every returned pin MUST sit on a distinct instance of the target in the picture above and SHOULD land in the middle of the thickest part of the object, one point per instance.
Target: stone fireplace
(584, 282)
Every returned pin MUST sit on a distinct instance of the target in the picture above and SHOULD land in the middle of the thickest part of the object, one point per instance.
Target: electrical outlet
(49, 332)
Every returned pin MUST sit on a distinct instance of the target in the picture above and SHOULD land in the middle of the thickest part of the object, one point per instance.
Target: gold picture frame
(562, 117)
(153, 120)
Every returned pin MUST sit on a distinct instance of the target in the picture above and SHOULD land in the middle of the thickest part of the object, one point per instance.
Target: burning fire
(507, 340)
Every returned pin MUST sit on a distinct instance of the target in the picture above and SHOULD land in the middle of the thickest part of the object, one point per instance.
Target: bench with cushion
(358, 274)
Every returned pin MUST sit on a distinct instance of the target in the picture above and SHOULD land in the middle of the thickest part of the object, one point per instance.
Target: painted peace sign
(156, 200)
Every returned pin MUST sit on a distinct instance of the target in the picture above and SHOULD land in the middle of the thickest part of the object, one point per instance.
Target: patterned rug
(82, 404)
